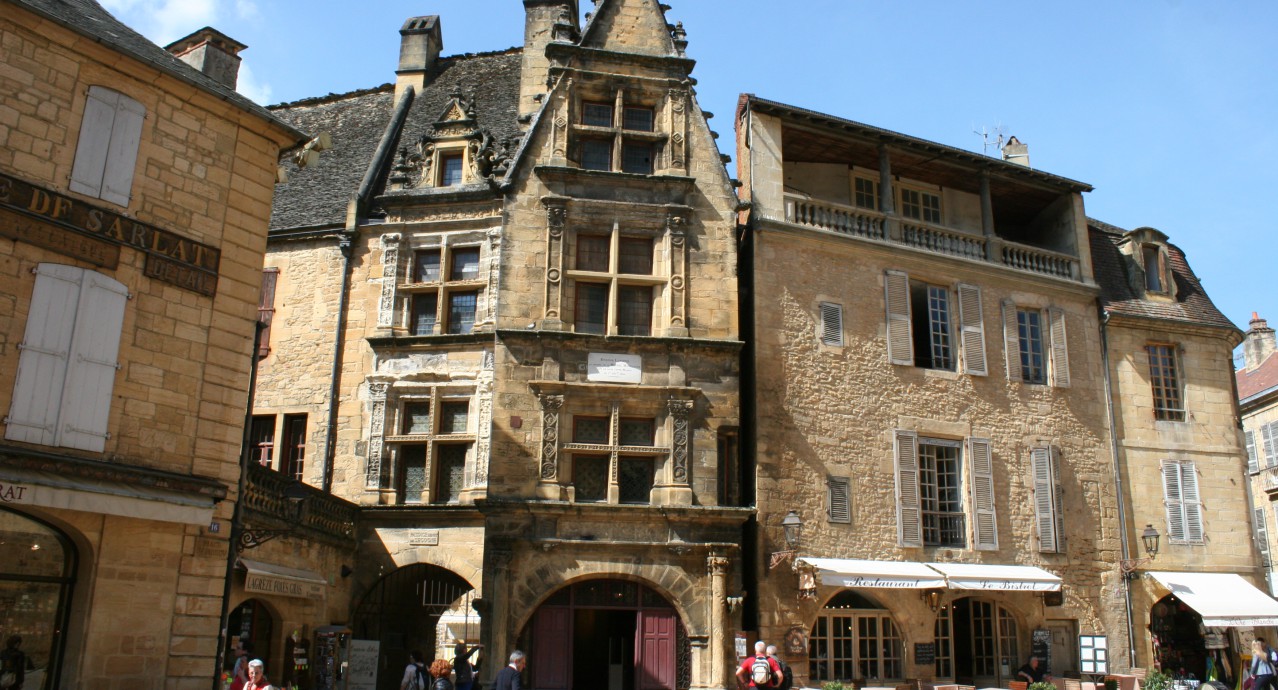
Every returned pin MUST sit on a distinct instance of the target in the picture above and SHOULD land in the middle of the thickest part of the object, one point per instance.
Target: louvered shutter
(86, 404)
(1060, 348)
(95, 140)
(909, 518)
(46, 348)
(1262, 537)
(1253, 465)
(266, 309)
(832, 324)
(984, 518)
(1011, 341)
(1193, 508)
(1267, 433)
(840, 499)
(973, 330)
(896, 289)
(122, 156)
(1175, 504)
(1045, 504)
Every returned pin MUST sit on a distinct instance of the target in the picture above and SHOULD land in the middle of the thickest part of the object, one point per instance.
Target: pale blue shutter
(972, 324)
(122, 156)
(1045, 507)
(1253, 465)
(45, 348)
(984, 517)
(1174, 502)
(909, 518)
(91, 370)
(896, 296)
(107, 150)
(1059, 348)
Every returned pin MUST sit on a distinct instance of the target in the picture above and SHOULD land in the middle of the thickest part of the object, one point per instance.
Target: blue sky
(1168, 107)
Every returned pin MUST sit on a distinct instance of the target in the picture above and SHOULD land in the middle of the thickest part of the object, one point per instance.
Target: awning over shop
(1015, 578)
(842, 572)
(279, 580)
(134, 500)
(1224, 600)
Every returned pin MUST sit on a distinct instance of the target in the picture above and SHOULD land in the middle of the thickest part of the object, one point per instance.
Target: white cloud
(247, 10)
(257, 91)
(165, 21)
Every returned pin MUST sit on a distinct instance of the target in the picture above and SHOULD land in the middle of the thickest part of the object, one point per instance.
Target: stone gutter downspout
(356, 211)
(1125, 548)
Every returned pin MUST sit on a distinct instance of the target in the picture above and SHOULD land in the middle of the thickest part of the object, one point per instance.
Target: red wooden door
(655, 650)
(551, 662)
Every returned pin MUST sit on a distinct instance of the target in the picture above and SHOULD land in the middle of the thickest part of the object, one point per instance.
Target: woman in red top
(257, 677)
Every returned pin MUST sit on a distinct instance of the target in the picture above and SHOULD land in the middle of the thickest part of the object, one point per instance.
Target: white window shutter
(1193, 507)
(91, 370)
(909, 517)
(122, 156)
(1011, 341)
(973, 329)
(46, 348)
(1262, 537)
(831, 324)
(1175, 504)
(896, 289)
(839, 493)
(95, 140)
(1060, 349)
(1045, 506)
(1271, 455)
(984, 517)
(1253, 465)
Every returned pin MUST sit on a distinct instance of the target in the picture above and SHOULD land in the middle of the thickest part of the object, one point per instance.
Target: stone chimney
(545, 21)
(420, 41)
(211, 52)
(1259, 344)
(1016, 152)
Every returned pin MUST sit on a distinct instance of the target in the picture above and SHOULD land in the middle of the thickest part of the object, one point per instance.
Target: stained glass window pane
(637, 432)
(413, 460)
(425, 307)
(592, 253)
(590, 430)
(635, 477)
(416, 418)
(452, 473)
(452, 418)
(590, 477)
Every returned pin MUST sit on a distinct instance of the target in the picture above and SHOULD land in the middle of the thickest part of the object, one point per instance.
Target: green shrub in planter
(833, 685)
(1041, 685)
(1156, 680)
(1111, 684)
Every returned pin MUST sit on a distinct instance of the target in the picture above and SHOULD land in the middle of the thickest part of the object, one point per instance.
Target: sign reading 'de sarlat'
(89, 233)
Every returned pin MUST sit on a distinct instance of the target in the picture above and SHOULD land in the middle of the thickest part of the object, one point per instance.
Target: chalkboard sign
(1041, 647)
(925, 652)
(363, 668)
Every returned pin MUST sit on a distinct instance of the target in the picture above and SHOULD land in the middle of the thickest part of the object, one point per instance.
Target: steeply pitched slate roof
(1120, 293)
(90, 19)
(1258, 380)
(356, 121)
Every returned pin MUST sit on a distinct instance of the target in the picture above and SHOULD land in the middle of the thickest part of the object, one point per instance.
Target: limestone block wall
(1254, 419)
(830, 411)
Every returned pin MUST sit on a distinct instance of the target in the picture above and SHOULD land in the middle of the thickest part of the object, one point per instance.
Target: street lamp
(792, 526)
(1149, 538)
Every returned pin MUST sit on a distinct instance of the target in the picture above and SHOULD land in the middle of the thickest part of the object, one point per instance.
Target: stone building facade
(1257, 389)
(503, 321)
(135, 193)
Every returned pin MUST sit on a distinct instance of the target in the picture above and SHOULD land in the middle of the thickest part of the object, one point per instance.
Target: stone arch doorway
(255, 622)
(403, 610)
(1177, 637)
(977, 642)
(855, 638)
(607, 635)
(37, 576)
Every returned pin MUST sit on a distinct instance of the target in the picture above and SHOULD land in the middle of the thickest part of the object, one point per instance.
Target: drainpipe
(356, 210)
(1125, 548)
(237, 515)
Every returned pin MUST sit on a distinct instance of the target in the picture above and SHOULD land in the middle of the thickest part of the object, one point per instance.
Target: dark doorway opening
(603, 647)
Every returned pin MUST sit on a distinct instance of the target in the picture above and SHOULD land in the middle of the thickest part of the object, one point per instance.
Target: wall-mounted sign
(265, 583)
(610, 368)
(15, 493)
(1093, 654)
(925, 653)
(423, 537)
(169, 257)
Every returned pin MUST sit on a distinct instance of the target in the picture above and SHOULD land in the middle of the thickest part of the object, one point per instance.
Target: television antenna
(995, 137)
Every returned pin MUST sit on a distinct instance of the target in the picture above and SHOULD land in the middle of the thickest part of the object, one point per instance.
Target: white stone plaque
(614, 368)
(423, 537)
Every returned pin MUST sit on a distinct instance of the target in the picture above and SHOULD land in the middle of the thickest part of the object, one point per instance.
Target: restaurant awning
(1224, 600)
(844, 572)
(1015, 578)
(110, 497)
(281, 580)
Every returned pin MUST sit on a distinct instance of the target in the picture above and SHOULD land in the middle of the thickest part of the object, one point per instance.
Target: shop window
(106, 153)
(973, 639)
(614, 287)
(854, 638)
(37, 568)
(1164, 379)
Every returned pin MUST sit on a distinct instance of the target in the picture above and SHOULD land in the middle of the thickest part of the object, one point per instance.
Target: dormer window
(450, 169)
(1152, 256)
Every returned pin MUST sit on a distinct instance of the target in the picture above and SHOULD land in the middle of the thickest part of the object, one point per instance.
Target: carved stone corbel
(390, 279)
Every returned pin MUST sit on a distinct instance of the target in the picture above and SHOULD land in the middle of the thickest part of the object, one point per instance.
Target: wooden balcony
(872, 225)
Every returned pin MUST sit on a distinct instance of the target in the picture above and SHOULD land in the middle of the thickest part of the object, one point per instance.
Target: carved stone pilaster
(559, 131)
(550, 405)
(494, 266)
(614, 436)
(483, 443)
(390, 278)
(678, 100)
(677, 235)
(679, 413)
(556, 219)
(376, 434)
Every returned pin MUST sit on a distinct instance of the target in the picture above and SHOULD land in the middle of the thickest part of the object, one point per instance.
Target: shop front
(1202, 624)
(37, 575)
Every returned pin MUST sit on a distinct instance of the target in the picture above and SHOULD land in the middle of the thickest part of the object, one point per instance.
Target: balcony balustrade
(265, 495)
(864, 223)
(1269, 481)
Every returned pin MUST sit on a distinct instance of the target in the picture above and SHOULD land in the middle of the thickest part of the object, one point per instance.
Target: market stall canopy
(1224, 600)
(844, 572)
(1016, 578)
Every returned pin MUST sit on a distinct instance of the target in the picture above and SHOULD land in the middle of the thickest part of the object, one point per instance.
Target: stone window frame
(1166, 381)
(660, 451)
(445, 286)
(390, 437)
(1158, 252)
(976, 489)
(658, 280)
(1054, 336)
(620, 100)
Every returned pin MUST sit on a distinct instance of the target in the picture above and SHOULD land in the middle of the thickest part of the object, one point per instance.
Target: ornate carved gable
(630, 26)
(458, 132)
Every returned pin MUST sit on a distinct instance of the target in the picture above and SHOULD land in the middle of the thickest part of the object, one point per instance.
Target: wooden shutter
(1262, 537)
(839, 499)
(909, 518)
(896, 289)
(984, 518)
(1045, 503)
(122, 155)
(1172, 499)
(266, 309)
(1267, 433)
(1253, 465)
(86, 403)
(1060, 349)
(95, 140)
(832, 324)
(1193, 507)
(973, 330)
(1011, 341)
(45, 348)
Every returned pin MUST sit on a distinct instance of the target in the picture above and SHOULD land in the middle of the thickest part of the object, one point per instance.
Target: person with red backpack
(759, 671)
